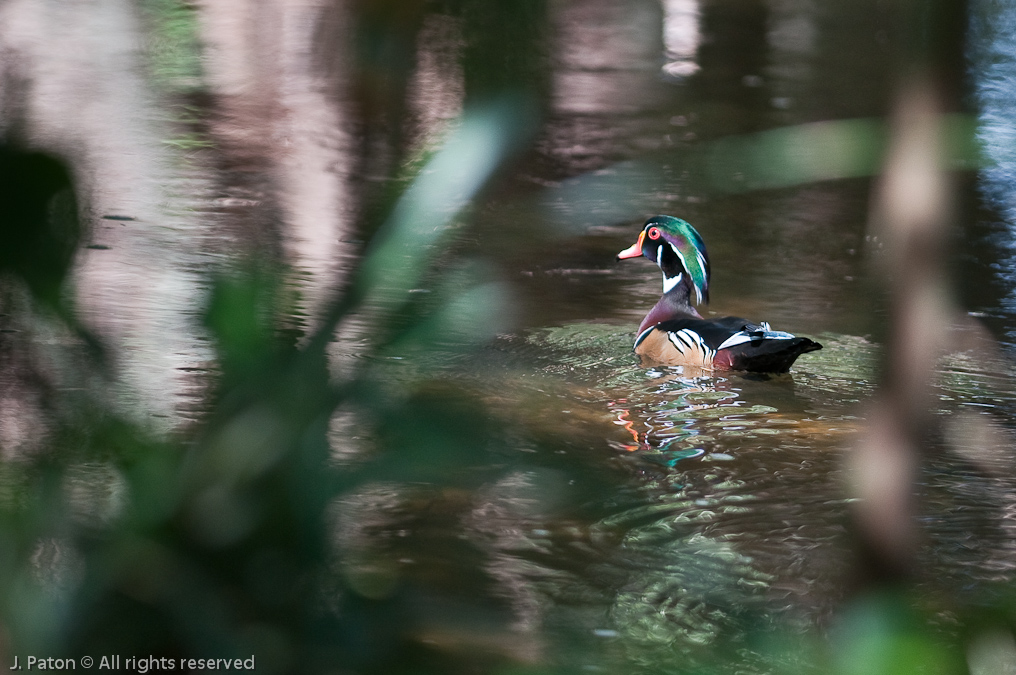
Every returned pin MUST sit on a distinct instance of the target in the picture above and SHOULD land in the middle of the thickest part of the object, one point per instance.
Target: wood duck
(674, 334)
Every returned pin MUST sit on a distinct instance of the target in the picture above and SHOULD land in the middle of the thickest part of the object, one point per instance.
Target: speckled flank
(683, 348)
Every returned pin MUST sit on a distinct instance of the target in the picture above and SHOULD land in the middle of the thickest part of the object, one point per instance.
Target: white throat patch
(670, 282)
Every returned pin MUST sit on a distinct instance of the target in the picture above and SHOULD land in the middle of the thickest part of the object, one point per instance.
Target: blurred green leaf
(766, 160)
(882, 633)
(422, 217)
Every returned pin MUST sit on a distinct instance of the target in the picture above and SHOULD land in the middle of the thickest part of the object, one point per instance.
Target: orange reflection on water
(629, 425)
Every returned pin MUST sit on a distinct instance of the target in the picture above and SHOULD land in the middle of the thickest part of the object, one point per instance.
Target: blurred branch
(766, 160)
(422, 217)
(911, 216)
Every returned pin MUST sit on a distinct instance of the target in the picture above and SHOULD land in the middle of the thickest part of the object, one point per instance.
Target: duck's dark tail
(766, 356)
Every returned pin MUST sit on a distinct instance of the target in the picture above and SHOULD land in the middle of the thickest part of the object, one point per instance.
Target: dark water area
(613, 516)
(712, 509)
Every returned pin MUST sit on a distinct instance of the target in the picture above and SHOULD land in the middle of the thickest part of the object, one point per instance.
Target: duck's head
(680, 253)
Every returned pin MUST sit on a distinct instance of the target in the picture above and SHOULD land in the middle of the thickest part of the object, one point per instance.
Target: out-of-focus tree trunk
(910, 223)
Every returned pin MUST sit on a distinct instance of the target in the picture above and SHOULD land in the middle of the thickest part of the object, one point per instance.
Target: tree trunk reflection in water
(432, 516)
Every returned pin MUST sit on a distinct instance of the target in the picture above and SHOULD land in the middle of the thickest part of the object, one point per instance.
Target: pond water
(680, 514)
(628, 517)
(671, 515)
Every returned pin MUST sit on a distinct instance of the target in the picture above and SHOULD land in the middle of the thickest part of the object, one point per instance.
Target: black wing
(712, 331)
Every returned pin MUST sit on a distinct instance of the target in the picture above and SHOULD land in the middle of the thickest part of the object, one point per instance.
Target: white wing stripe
(687, 340)
(742, 337)
(643, 335)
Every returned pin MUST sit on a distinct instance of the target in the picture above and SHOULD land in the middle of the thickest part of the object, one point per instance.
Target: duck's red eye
(654, 233)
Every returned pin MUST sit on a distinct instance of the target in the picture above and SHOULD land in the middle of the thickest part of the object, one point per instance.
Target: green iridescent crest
(687, 243)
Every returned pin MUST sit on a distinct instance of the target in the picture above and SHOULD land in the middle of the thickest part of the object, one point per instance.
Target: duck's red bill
(633, 251)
